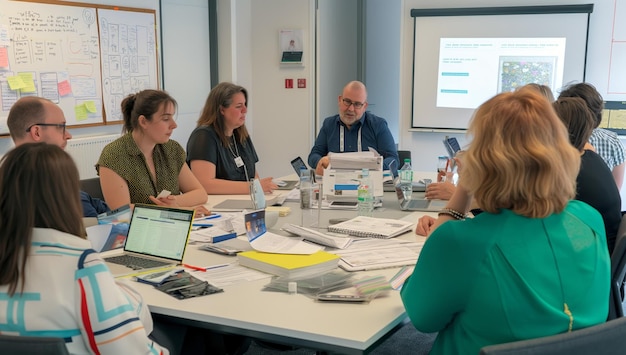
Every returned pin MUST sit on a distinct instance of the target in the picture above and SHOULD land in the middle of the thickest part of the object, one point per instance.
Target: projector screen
(462, 57)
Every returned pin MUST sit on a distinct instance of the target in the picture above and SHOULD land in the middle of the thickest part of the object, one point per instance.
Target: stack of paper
(291, 266)
(356, 160)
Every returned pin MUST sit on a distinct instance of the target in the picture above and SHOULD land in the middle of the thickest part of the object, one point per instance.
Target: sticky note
(15, 82)
(64, 88)
(29, 82)
(81, 112)
(4, 57)
(91, 106)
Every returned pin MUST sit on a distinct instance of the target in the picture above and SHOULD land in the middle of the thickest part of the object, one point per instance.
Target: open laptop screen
(159, 231)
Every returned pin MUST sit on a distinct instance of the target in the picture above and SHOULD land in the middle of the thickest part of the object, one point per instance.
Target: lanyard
(342, 139)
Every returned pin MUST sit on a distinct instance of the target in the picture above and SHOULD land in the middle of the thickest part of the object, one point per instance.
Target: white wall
(426, 146)
(186, 60)
(280, 120)
(185, 68)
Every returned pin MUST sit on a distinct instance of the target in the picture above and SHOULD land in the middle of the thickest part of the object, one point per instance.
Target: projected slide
(471, 70)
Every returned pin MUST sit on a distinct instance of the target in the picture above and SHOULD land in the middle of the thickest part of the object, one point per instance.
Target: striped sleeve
(113, 317)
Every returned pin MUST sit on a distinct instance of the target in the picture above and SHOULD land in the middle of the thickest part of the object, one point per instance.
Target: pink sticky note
(64, 88)
(4, 57)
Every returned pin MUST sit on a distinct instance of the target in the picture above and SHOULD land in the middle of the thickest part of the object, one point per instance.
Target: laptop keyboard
(135, 262)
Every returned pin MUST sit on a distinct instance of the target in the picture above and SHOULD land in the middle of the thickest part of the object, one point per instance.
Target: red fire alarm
(301, 83)
(288, 83)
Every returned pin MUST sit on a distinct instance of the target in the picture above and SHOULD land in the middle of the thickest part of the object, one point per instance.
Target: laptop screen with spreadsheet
(159, 231)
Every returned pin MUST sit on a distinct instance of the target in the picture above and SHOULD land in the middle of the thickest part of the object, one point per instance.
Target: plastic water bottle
(365, 196)
(406, 179)
(305, 188)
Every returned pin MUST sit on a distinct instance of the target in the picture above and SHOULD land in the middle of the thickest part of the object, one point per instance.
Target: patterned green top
(125, 159)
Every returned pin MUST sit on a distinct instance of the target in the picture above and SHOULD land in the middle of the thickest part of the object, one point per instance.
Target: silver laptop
(157, 238)
(417, 203)
(257, 200)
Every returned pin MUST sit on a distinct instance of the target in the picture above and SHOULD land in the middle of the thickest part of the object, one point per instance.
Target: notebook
(418, 203)
(372, 227)
(157, 239)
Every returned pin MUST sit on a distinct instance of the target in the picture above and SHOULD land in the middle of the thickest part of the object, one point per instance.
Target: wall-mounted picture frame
(291, 45)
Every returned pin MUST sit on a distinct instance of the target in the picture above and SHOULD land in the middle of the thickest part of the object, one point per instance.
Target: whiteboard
(50, 51)
(84, 58)
(128, 50)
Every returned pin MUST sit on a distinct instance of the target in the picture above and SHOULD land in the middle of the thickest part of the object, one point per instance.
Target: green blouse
(504, 277)
(125, 159)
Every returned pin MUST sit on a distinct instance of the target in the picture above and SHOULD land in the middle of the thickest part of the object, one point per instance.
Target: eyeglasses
(57, 125)
(357, 105)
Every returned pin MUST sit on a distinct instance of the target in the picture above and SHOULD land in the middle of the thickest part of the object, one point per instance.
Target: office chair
(92, 187)
(618, 273)
(11, 344)
(606, 339)
(404, 154)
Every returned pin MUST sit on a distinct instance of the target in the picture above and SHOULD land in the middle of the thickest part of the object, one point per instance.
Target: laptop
(257, 200)
(157, 239)
(419, 203)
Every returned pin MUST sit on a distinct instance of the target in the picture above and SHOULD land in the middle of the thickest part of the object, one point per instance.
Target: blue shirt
(374, 133)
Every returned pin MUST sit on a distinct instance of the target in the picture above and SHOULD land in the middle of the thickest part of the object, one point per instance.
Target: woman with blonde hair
(534, 263)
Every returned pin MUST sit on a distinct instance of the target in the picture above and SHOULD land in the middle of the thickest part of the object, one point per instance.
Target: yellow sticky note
(29, 82)
(15, 82)
(91, 106)
(81, 112)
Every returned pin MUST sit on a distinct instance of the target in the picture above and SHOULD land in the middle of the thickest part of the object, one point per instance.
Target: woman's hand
(440, 190)
(425, 225)
(165, 201)
(268, 185)
(201, 211)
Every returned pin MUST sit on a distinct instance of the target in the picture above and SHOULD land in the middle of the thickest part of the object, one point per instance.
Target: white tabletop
(289, 318)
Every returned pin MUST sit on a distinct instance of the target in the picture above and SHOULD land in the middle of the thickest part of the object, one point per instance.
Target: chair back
(12, 344)
(92, 187)
(618, 273)
(403, 154)
(606, 339)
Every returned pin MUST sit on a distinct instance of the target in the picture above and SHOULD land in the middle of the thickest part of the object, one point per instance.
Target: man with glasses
(34, 119)
(353, 130)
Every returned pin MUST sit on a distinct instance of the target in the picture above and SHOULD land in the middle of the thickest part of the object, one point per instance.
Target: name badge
(239, 162)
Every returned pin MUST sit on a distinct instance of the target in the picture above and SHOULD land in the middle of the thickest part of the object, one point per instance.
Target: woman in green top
(136, 167)
(534, 263)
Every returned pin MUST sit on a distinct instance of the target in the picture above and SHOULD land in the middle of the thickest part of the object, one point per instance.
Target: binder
(372, 227)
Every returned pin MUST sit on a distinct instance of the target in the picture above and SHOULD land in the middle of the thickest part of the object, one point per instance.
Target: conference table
(290, 319)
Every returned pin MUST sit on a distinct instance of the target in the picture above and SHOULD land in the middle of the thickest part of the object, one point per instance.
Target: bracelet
(452, 213)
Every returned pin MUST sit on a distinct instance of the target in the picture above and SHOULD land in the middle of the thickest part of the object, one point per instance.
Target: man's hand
(321, 165)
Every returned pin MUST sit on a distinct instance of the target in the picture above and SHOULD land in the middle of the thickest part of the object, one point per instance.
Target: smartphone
(452, 146)
(298, 164)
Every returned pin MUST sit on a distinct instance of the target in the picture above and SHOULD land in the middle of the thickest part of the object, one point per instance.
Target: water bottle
(305, 188)
(365, 196)
(406, 179)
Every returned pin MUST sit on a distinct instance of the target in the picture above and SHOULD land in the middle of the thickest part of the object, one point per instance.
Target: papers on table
(318, 237)
(356, 160)
(262, 240)
(372, 254)
(228, 274)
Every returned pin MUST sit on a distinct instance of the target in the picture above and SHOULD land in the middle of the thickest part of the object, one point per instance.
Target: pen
(193, 267)
(212, 216)
(201, 225)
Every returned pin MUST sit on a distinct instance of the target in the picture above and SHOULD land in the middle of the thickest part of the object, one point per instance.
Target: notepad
(372, 227)
(289, 265)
